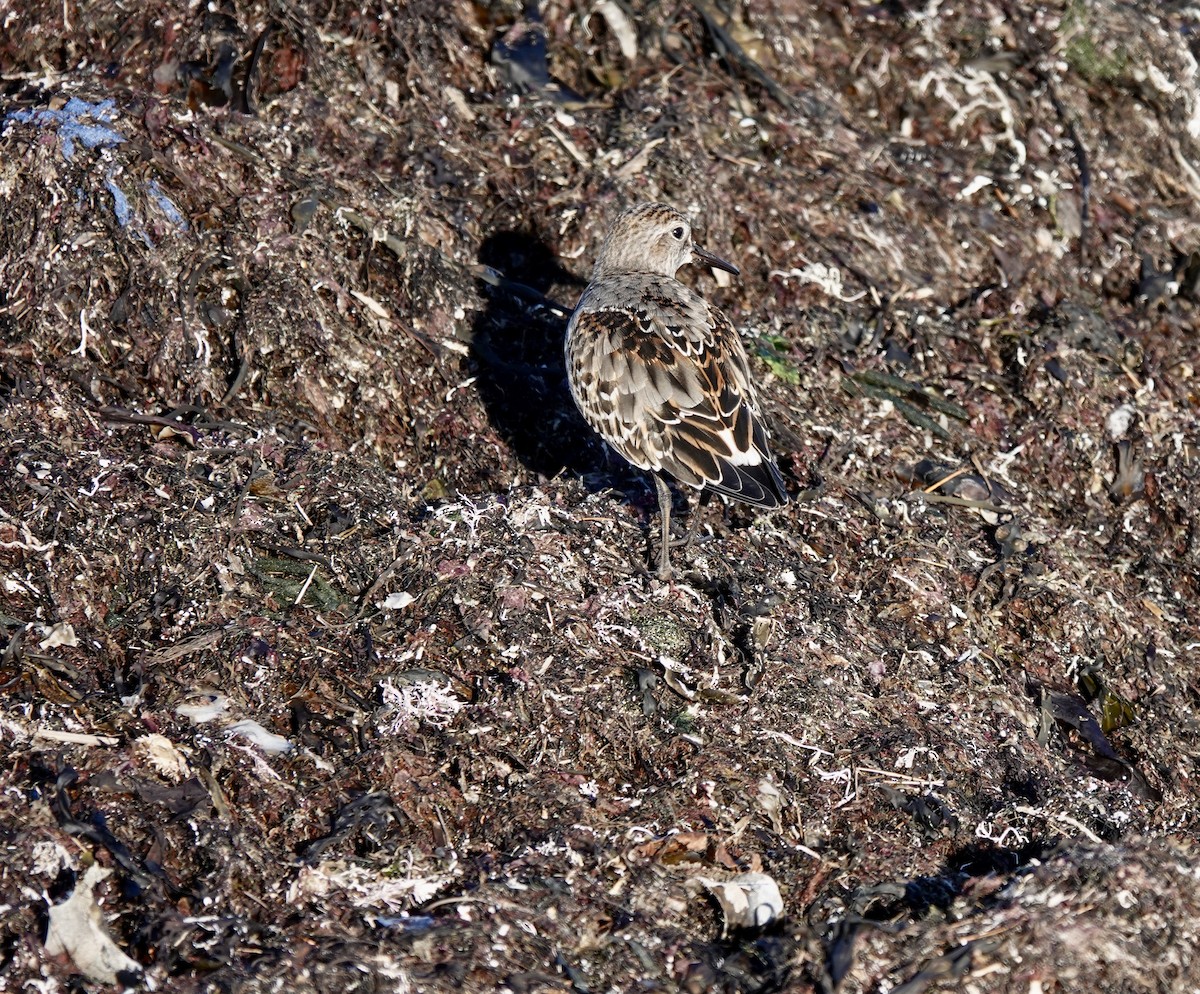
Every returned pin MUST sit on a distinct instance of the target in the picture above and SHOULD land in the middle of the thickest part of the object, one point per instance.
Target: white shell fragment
(256, 734)
(621, 26)
(1119, 420)
(77, 929)
(61, 634)
(159, 752)
(749, 900)
(771, 801)
(204, 706)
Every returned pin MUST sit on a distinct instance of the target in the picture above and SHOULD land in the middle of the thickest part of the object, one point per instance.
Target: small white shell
(749, 900)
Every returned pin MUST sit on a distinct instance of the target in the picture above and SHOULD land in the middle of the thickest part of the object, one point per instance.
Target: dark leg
(694, 521)
(664, 512)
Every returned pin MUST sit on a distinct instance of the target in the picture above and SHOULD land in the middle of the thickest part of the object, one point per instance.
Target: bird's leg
(664, 512)
(693, 521)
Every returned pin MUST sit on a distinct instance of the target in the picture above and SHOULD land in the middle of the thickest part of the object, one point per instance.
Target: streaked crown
(646, 238)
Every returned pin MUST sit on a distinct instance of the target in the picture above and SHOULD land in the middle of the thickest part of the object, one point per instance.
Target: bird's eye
(678, 233)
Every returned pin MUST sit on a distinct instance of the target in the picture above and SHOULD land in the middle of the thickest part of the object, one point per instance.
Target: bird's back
(662, 376)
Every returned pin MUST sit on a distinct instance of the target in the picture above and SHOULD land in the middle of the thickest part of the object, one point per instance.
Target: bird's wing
(674, 395)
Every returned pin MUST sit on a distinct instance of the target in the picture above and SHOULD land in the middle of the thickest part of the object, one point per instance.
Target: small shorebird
(661, 374)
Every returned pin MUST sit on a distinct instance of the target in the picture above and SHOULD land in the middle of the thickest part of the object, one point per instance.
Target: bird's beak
(714, 260)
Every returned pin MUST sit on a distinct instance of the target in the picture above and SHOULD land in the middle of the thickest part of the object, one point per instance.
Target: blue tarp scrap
(121, 206)
(71, 124)
(86, 123)
(166, 205)
(122, 209)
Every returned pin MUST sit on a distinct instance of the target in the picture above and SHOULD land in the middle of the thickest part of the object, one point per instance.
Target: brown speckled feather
(661, 374)
(665, 382)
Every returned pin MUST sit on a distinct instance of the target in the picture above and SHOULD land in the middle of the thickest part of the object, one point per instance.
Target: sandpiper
(661, 374)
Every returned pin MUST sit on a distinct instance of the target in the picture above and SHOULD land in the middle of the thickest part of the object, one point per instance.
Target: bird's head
(653, 238)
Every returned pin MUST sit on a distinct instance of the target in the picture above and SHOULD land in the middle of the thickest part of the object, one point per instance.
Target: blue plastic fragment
(121, 206)
(123, 211)
(166, 206)
(105, 110)
(406, 922)
(71, 127)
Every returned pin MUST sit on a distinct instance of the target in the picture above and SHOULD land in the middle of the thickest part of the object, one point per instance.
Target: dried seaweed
(310, 572)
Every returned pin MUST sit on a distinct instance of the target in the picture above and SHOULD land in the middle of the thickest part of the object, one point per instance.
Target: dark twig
(132, 418)
(303, 555)
(734, 54)
(1081, 163)
(238, 379)
(247, 94)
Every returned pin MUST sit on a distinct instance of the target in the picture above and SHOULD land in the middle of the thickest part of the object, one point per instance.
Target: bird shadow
(521, 376)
